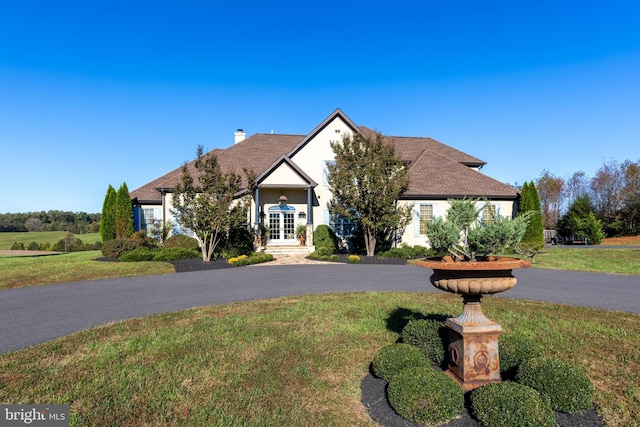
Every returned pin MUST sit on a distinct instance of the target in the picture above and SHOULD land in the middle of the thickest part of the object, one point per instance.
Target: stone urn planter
(473, 338)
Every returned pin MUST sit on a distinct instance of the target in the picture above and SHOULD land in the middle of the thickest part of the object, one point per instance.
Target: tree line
(52, 220)
(612, 195)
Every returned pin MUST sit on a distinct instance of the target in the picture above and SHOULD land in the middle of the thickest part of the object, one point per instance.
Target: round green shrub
(514, 350)
(138, 254)
(509, 404)
(393, 358)
(116, 247)
(566, 385)
(429, 336)
(354, 259)
(324, 238)
(181, 241)
(424, 395)
(175, 254)
(334, 258)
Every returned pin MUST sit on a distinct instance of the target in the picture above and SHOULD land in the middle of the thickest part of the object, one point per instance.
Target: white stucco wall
(313, 157)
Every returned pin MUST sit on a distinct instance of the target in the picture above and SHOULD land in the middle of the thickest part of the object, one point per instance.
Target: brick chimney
(239, 136)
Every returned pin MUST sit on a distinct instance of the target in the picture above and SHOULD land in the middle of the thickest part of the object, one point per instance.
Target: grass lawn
(7, 239)
(293, 361)
(37, 270)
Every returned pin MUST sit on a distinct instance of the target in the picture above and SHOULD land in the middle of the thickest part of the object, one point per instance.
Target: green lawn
(38, 270)
(7, 239)
(290, 360)
(293, 361)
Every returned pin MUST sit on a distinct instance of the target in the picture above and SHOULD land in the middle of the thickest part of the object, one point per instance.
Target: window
(342, 226)
(488, 212)
(149, 218)
(425, 214)
(325, 171)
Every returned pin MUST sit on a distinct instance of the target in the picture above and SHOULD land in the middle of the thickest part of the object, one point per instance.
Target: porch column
(256, 198)
(309, 206)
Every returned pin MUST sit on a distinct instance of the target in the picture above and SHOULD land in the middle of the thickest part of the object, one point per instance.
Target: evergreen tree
(581, 221)
(123, 213)
(532, 242)
(531, 203)
(108, 217)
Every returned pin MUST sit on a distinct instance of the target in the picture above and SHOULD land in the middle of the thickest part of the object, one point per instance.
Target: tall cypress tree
(123, 213)
(530, 202)
(108, 217)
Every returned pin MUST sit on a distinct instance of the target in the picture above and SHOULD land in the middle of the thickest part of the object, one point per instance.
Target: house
(293, 188)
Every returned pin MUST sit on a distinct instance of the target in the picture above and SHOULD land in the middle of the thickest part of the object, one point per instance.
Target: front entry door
(282, 222)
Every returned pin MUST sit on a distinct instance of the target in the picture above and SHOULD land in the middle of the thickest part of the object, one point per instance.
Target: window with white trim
(325, 171)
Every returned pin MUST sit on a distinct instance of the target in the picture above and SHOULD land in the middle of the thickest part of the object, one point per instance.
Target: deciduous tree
(367, 179)
(205, 203)
(550, 189)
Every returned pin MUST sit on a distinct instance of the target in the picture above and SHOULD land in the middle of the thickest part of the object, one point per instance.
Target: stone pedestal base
(473, 347)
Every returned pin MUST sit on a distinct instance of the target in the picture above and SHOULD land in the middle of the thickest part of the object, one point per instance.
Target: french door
(282, 224)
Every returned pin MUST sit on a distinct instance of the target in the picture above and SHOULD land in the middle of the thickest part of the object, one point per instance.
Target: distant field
(9, 238)
(622, 241)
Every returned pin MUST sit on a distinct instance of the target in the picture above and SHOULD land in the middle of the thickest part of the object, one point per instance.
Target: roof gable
(285, 173)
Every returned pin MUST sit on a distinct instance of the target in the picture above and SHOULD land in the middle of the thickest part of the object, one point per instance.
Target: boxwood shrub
(116, 247)
(424, 395)
(393, 358)
(324, 239)
(514, 350)
(509, 404)
(138, 254)
(567, 387)
(430, 336)
(181, 241)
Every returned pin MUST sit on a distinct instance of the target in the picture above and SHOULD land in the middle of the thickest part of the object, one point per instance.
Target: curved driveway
(37, 314)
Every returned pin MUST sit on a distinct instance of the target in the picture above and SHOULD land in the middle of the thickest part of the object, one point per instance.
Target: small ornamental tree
(204, 203)
(465, 238)
(123, 213)
(366, 180)
(108, 217)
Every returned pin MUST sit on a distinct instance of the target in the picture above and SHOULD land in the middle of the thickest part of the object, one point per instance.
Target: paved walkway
(40, 313)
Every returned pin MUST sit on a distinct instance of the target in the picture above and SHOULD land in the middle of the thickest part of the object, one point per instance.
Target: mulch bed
(199, 265)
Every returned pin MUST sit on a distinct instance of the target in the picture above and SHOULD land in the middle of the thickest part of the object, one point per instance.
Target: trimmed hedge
(393, 358)
(514, 350)
(424, 395)
(567, 387)
(138, 254)
(429, 336)
(162, 254)
(509, 404)
(324, 240)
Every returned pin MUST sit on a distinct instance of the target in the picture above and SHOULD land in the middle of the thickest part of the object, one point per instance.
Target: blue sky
(105, 92)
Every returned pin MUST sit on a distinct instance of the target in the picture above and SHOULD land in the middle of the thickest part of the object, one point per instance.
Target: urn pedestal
(473, 353)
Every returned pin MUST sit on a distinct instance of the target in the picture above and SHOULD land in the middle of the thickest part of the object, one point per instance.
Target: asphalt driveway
(37, 314)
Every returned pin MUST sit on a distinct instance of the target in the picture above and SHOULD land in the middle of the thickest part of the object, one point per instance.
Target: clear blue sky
(94, 93)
